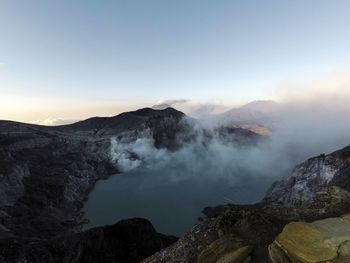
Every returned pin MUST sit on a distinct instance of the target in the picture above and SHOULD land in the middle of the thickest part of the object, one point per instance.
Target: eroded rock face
(43, 185)
(311, 177)
(326, 240)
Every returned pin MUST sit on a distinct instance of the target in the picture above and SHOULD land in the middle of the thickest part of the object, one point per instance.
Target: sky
(76, 59)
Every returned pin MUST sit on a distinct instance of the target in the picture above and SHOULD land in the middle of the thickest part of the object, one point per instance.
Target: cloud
(172, 102)
(52, 122)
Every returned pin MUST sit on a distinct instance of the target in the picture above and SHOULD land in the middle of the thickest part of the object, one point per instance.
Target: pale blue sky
(83, 55)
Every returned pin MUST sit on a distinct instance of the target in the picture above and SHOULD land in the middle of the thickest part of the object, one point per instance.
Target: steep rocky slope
(311, 178)
(45, 176)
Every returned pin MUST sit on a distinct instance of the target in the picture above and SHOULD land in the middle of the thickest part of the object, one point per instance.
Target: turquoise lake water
(171, 200)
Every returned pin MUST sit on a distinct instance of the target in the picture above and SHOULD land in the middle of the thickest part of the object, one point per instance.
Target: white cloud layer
(52, 121)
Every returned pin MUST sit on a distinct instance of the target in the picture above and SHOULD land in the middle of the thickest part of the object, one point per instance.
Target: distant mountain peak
(259, 112)
(264, 106)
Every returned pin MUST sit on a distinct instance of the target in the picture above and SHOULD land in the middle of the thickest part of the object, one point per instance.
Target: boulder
(326, 240)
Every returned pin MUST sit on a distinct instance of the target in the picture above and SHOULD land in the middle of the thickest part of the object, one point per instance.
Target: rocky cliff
(45, 177)
(311, 179)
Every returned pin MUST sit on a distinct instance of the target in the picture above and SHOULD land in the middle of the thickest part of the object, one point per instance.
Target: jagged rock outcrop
(326, 240)
(311, 178)
(45, 177)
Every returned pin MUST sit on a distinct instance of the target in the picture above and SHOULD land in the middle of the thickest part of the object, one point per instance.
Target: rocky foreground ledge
(326, 240)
